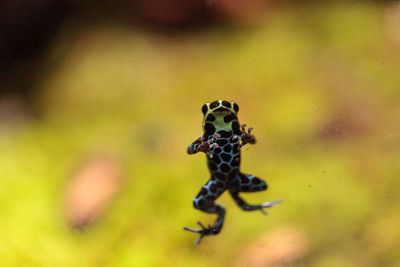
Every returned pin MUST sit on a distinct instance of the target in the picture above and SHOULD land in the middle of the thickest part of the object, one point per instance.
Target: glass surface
(99, 103)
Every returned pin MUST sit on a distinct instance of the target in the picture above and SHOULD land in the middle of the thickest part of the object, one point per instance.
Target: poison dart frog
(222, 141)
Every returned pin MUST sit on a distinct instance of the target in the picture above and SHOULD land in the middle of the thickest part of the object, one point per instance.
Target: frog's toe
(203, 231)
(238, 137)
(192, 230)
(270, 203)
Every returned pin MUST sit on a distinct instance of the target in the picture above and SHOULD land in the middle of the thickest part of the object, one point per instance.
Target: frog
(222, 140)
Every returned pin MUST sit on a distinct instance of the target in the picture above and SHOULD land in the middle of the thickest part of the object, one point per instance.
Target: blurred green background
(318, 81)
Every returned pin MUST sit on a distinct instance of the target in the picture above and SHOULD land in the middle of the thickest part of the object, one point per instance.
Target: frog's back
(225, 161)
(220, 117)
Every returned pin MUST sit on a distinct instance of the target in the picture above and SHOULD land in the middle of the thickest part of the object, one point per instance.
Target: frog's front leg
(200, 145)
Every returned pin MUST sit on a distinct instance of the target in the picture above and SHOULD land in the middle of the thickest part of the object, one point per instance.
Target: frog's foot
(268, 205)
(205, 146)
(204, 231)
(248, 207)
(245, 137)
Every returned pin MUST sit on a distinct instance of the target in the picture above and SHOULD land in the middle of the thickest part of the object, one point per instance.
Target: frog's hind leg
(249, 183)
(205, 201)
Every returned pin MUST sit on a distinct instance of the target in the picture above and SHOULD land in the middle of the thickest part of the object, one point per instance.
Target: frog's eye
(214, 104)
(235, 107)
(204, 109)
(226, 104)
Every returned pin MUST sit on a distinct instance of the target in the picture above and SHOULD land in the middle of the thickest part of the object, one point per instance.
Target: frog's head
(220, 115)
